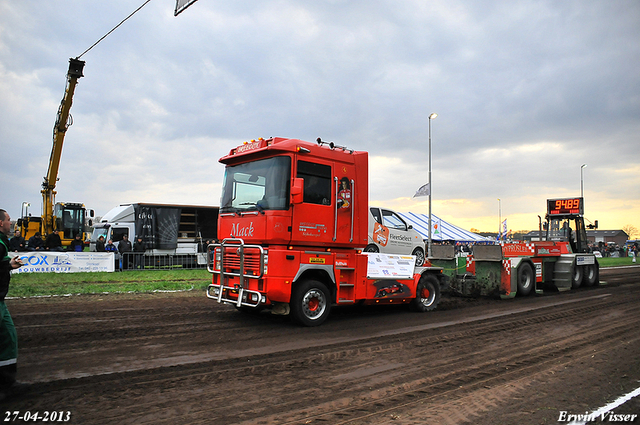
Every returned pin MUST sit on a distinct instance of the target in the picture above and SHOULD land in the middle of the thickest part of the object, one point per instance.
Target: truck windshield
(259, 185)
(99, 231)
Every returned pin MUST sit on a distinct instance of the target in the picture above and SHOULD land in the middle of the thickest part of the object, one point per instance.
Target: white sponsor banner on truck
(388, 266)
(65, 262)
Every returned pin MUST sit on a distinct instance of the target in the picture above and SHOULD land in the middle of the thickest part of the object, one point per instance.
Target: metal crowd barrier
(140, 261)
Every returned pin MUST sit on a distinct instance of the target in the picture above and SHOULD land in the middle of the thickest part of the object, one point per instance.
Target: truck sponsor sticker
(315, 260)
(312, 229)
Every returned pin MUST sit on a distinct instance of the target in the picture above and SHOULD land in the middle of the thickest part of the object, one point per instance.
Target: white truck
(172, 234)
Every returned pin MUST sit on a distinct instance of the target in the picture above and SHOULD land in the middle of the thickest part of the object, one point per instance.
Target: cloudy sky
(525, 91)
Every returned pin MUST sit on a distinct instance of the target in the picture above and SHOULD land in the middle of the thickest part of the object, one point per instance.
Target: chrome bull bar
(245, 297)
(232, 258)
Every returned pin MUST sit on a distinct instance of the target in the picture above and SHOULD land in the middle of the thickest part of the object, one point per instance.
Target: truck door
(313, 219)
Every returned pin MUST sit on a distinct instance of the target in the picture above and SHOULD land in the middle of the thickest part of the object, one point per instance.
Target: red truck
(293, 224)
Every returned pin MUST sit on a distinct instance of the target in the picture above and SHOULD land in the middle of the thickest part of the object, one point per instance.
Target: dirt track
(182, 358)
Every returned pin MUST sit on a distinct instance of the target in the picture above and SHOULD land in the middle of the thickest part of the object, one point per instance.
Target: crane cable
(114, 28)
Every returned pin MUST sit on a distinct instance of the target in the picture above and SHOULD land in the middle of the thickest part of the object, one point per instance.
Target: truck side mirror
(297, 190)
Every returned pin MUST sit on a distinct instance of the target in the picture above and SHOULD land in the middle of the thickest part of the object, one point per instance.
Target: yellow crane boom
(63, 121)
(67, 218)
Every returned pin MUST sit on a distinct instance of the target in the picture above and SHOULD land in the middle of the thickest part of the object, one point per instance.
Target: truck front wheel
(427, 294)
(310, 303)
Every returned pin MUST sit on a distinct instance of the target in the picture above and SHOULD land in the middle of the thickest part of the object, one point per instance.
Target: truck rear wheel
(526, 279)
(310, 303)
(427, 294)
(371, 248)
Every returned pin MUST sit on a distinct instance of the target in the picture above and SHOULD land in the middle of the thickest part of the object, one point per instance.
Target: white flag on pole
(182, 5)
(423, 191)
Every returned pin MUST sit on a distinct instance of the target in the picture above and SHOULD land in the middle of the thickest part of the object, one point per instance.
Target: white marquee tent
(441, 231)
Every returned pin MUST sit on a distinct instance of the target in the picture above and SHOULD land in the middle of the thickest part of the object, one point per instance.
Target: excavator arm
(63, 121)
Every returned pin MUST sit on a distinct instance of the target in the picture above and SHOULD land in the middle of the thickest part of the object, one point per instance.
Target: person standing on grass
(124, 247)
(8, 335)
(139, 247)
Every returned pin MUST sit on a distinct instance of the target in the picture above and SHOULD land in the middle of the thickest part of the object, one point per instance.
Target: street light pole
(431, 117)
(582, 181)
(25, 211)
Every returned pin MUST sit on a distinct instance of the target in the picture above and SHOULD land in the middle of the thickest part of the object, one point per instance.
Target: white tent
(441, 231)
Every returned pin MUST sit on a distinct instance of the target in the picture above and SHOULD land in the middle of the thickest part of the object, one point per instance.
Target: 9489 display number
(55, 416)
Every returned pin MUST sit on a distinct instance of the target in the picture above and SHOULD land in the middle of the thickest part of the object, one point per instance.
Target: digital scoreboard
(565, 207)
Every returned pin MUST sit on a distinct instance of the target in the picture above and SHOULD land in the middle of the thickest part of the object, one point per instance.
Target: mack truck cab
(293, 224)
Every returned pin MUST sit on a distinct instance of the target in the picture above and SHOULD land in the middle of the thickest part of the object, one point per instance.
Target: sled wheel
(310, 303)
(427, 294)
(526, 279)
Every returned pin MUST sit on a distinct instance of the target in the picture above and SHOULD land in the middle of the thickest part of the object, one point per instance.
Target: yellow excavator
(67, 218)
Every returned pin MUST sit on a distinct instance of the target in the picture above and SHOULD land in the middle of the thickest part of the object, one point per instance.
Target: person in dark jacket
(53, 242)
(110, 247)
(8, 335)
(124, 248)
(139, 248)
(76, 244)
(17, 242)
(100, 244)
(35, 242)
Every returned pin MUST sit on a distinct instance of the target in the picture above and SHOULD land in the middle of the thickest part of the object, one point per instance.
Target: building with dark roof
(618, 237)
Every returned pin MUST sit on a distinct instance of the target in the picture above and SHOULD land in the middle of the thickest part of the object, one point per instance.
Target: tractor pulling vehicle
(559, 261)
(293, 221)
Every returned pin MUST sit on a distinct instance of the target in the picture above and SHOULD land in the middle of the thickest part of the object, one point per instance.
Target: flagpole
(432, 116)
(499, 218)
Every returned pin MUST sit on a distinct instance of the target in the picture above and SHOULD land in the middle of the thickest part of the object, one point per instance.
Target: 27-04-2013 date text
(46, 416)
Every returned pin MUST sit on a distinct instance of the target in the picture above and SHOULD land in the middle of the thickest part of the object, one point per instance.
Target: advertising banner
(158, 226)
(388, 266)
(65, 262)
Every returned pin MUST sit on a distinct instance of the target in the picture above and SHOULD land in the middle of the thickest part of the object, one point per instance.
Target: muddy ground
(184, 359)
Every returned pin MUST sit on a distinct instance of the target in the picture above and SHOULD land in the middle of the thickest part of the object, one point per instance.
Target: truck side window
(117, 233)
(317, 182)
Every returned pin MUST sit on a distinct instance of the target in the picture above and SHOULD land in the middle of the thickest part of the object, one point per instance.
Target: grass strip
(47, 284)
(143, 281)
